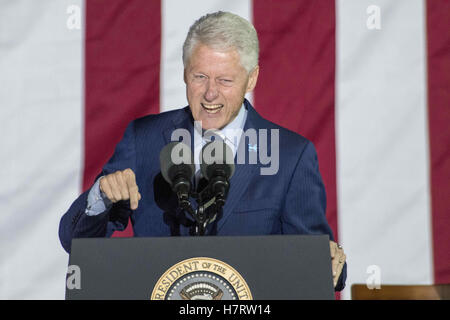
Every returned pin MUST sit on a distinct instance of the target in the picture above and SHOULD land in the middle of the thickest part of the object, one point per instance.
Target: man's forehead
(220, 51)
(221, 57)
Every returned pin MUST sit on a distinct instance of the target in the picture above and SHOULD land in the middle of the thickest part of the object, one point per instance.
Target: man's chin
(208, 124)
(212, 127)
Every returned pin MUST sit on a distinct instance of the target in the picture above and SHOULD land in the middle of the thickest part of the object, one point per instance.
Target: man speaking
(220, 56)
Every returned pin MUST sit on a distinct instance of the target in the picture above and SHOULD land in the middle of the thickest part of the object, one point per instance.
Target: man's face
(216, 84)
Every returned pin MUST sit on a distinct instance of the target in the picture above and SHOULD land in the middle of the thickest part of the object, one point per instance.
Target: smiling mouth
(212, 108)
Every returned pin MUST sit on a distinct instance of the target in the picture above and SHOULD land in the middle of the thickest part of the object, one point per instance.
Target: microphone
(217, 166)
(177, 168)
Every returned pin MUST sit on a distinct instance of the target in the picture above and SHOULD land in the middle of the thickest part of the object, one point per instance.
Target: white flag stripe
(383, 178)
(177, 17)
(41, 121)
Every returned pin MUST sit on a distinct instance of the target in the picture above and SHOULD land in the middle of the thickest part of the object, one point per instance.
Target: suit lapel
(184, 121)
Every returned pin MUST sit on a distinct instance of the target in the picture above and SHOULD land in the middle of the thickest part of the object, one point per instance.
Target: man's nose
(212, 91)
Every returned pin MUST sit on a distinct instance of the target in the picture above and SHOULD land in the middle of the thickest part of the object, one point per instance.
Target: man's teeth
(213, 108)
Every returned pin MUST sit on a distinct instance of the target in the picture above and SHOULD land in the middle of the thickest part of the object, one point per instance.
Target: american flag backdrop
(367, 81)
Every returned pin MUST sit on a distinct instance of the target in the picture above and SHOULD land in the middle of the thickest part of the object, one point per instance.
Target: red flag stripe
(438, 37)
(122, 61)
(296, 83)
(297, 78)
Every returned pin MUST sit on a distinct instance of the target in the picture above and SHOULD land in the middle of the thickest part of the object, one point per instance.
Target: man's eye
(226, 81)
(199, 76)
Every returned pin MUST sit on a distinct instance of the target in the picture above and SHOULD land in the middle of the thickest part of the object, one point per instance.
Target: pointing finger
(132, 188)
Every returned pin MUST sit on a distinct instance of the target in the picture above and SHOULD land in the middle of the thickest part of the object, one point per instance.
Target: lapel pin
(252, 147)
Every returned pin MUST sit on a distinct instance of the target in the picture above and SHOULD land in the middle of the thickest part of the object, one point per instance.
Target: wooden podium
(401, 292)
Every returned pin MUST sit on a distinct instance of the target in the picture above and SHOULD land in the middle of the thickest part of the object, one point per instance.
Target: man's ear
(184, 76)
(252, 79)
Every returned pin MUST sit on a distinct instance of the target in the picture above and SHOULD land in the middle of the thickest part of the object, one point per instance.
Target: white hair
(223, 31)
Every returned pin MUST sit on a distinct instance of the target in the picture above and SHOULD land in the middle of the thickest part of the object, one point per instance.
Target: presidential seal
(201, 279)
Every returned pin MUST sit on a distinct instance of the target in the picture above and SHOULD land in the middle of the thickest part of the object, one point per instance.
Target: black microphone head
(216, 155)
(176, 158)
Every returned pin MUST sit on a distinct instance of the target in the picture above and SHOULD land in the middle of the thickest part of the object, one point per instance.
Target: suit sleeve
(305, 206)
(75, 223)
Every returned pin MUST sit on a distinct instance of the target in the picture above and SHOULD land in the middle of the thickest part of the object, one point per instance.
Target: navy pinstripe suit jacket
(290, 202)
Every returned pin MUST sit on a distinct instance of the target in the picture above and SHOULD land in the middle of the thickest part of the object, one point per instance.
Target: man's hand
(121, 185)
(337, 260)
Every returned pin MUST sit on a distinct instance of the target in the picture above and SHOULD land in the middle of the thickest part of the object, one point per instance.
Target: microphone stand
(202, 216)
